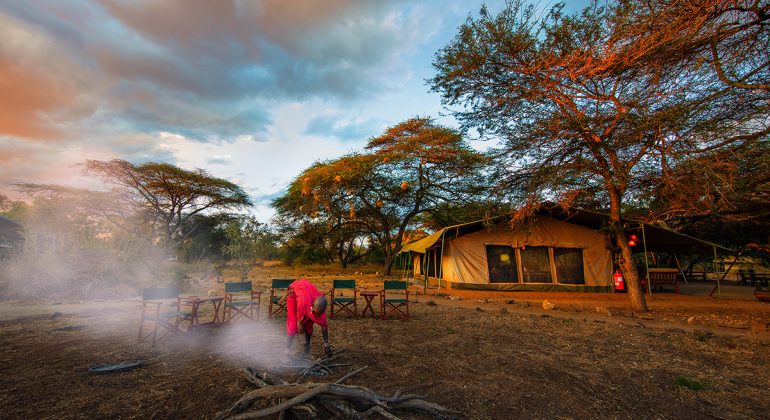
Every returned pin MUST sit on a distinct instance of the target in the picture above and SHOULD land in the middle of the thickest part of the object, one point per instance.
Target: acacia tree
(248, 241)
(318, 221)
(168, 194)
(411, 168)
(720, 194)
(578, 107)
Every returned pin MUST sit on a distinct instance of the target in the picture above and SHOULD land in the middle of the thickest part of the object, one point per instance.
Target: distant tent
(556, 250)
(11, 234)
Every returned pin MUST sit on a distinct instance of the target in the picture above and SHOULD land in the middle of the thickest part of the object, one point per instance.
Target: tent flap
(421, 245)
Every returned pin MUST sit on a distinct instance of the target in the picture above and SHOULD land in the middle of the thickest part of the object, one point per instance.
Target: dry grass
(573, 361)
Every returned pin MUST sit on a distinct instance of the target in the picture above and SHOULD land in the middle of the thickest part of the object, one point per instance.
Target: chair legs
(250, 311)
(349, 307)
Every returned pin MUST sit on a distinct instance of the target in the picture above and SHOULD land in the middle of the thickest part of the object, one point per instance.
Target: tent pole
(441, 264)
(646, 263)
(425, 272)
(679, 266)
(719, 288)
(720, 278)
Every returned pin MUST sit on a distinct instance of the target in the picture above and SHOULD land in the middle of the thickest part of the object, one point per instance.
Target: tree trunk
(627, 267)
(630, 274)
(386, 269)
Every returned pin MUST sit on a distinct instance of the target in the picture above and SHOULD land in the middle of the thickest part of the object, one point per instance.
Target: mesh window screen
(535, 264)
(502, 264)
(569, 265)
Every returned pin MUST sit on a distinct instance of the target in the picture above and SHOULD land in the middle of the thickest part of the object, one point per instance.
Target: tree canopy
(411, 168)
(168, 194)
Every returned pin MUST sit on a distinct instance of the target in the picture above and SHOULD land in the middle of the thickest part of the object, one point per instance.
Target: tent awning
(419, 246)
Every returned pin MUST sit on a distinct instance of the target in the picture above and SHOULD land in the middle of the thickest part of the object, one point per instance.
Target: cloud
(210, 70)
(258, 89)
(219, 160)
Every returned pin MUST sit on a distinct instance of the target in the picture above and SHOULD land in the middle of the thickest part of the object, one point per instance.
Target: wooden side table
(369, 296)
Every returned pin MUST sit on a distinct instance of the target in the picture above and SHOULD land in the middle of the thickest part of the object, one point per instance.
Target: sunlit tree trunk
(627, 266)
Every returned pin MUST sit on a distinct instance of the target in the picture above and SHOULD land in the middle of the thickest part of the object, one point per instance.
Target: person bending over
(305, 306)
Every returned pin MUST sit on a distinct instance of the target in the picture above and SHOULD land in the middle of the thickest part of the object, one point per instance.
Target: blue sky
(252, 91)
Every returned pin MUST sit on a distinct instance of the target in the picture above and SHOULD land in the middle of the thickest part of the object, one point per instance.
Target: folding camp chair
(390, 304)
(278, 300)
(169, 321)
(348, 304)
(241, 297)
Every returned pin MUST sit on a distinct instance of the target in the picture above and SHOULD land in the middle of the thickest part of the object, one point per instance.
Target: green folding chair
(394, 299)
(278, 291)
(345, 303)
(169, 321)
(241, 300)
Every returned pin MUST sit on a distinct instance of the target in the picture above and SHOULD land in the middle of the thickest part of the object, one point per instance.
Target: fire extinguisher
(617, 278)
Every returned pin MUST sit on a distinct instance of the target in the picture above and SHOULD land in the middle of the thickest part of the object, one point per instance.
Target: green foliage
(248, 241)
(204, 238)
(691, 383)
(169, 195)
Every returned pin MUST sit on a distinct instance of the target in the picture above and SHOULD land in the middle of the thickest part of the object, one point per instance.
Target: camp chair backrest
(241, 300)
(167, 321)
(282, 283)
(347, 303)
(394, 285)
(344, 284)
(153, 293)
(235, 287)
(276, 300)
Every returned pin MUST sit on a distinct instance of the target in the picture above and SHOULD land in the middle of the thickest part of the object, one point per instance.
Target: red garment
(299, 304)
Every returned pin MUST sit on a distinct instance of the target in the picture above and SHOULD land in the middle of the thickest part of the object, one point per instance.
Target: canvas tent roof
(657, 238)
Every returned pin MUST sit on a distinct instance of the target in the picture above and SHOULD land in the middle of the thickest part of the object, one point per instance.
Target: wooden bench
(660, 279)
(753, 278)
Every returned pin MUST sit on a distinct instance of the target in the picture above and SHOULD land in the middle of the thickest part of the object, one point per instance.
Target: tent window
(569, 265)
(536, 264)
(502, 264)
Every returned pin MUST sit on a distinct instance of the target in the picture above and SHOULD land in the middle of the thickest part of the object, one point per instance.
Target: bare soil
(490, 355)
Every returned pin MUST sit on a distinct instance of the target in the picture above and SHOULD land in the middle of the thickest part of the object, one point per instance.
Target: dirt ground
(490, 354)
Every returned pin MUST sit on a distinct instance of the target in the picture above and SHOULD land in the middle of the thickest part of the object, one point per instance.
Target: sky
(251, 91)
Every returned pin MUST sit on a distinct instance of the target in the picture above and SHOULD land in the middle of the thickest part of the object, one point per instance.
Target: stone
(604, 311)
(432, 303)
(503, 310)
(691, 320)
(548, 305)
(510, 302)
(479, 309)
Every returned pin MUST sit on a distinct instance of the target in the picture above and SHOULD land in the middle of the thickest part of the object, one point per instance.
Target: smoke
(71, 254)
(68, 253)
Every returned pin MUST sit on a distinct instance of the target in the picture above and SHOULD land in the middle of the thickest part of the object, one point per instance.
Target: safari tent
(555, 250)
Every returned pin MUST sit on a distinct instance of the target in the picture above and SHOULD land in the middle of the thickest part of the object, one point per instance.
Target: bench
(660, 279)
(753, 278)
